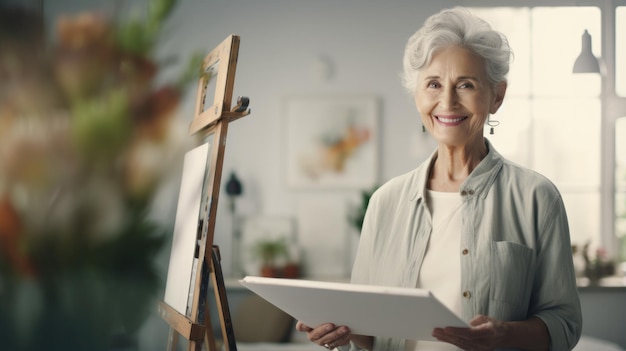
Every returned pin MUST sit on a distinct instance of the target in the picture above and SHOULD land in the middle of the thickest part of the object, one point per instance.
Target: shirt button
(463, 193)
(467, 294)
(465, 251)
(471, 192)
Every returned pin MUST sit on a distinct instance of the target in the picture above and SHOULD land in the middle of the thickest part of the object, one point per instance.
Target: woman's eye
(433, 84)
(466, 86)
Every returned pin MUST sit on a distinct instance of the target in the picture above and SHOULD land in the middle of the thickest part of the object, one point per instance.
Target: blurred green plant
(356, 213)
(85, 141)
(270, 250)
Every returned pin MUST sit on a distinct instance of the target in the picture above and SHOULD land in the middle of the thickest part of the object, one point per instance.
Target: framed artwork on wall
(331, 141)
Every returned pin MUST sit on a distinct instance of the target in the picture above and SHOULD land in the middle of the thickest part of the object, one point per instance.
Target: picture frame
(331, 141)
(215, 86)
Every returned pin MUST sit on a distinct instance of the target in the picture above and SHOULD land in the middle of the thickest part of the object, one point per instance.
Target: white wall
(281, 42)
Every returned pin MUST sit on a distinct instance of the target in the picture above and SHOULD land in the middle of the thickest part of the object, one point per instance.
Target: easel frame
(210, 121)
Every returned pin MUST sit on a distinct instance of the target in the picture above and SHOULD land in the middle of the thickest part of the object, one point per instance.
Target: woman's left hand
(484, 334)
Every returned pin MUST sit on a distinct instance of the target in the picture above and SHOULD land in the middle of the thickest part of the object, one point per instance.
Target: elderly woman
(489, 238)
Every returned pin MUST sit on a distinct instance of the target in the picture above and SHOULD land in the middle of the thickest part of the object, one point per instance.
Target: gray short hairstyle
(456, 26)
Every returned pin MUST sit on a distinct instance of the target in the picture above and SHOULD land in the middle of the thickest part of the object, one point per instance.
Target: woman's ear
(498, 98)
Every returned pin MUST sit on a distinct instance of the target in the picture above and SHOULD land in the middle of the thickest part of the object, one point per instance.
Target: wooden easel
(210, 121)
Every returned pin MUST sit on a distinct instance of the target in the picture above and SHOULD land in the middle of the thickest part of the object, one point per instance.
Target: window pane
(620, 185)
(514, 23)
(620, 51)
(583, 215)
(566, 138)
(556, 47)
(620, 154)
(511, 136)
(620, 224)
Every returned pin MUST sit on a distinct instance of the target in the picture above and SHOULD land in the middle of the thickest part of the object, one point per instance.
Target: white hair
(456, 27)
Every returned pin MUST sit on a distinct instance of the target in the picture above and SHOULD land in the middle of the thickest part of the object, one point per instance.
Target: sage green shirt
(516, 258)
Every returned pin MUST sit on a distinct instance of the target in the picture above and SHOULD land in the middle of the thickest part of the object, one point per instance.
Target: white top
(442, 276)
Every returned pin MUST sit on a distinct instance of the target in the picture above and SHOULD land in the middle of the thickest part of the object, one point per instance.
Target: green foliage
(192, 71)
(77, 247)
(270, 250)
(102, 120)
(357, 214)
(140, 36)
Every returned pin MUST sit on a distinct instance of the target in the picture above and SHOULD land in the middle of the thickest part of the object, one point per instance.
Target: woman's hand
(485, 334)
(326, 335)
(488, 333)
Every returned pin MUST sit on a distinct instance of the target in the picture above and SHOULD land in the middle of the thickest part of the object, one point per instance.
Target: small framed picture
(332, 141)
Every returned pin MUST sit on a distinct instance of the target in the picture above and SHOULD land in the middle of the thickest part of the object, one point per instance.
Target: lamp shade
(586, 61)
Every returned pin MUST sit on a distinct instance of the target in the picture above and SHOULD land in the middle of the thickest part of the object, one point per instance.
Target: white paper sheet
(408, 313)
(180, 270)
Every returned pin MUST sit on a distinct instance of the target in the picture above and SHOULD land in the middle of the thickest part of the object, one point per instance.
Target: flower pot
(269, 271)
(291, 271)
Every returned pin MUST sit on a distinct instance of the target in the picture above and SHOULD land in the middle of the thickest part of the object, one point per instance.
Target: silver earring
(492, 123)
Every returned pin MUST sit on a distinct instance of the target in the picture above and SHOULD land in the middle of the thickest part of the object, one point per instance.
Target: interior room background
(557, 123)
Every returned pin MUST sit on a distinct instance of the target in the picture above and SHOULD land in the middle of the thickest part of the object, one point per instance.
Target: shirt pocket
(512, 265)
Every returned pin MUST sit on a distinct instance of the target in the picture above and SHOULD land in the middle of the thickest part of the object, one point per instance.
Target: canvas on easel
(194, 260)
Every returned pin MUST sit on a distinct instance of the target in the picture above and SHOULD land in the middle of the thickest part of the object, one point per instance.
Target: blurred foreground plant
(85, 142)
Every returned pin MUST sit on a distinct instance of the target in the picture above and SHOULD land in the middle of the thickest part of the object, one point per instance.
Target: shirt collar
(476, 184)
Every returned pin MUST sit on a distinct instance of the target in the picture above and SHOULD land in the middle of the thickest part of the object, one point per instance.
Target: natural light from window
(620, 50)
(620, 183)
(549, 111)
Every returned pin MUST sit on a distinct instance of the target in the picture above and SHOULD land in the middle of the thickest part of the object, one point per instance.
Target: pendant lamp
(586, 61)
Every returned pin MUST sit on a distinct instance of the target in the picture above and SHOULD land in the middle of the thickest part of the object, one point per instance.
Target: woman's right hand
(326, 335)
(331, 336)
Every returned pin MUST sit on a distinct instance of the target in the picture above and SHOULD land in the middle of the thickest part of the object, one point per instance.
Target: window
(551, 120)
(617, 108)
(620, 184)
(620, 51)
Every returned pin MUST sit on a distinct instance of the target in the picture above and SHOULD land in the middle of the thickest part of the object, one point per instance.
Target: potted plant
(85, 145)
(269, 251)
(291, 268)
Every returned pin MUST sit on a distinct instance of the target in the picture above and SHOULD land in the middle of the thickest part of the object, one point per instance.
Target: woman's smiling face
(454, 96)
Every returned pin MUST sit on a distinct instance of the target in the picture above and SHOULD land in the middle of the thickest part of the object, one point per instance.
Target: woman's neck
(453, 164)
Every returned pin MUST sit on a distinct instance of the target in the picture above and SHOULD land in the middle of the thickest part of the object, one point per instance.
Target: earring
(423, 129)
(492, 123)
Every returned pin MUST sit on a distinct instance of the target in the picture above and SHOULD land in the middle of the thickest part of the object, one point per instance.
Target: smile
(450, 120)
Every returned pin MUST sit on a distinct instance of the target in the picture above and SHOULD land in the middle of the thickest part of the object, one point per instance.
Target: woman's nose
(449, 98)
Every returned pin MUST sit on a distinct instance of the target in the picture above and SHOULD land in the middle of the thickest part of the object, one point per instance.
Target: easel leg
(209, 340)
(219, 289)
(195, 346)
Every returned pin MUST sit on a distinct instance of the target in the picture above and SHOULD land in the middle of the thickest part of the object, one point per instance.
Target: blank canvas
(181, 267)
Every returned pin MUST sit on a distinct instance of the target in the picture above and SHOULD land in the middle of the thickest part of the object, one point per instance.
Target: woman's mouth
(450, 120)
